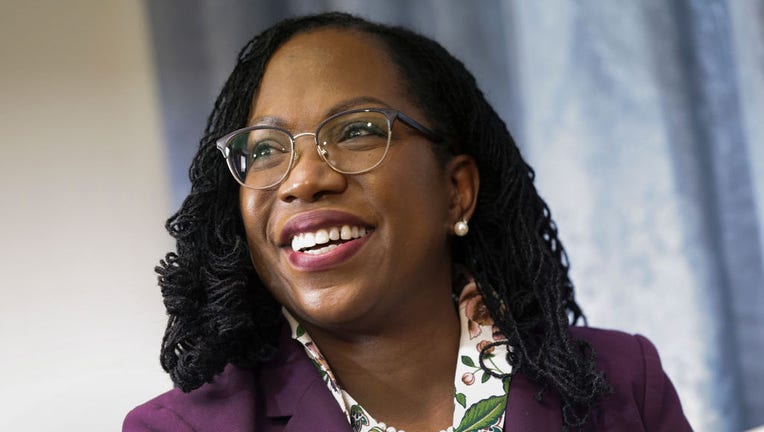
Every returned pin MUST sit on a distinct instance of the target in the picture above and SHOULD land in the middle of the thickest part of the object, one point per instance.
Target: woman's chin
(341, 316)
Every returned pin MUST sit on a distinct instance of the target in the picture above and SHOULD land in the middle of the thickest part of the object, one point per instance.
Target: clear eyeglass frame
(224, 143)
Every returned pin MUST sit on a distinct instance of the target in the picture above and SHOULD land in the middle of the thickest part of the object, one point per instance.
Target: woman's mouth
(322, 240)
(325, 240)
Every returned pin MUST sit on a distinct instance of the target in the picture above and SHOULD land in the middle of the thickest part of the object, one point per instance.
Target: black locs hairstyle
(220, 312)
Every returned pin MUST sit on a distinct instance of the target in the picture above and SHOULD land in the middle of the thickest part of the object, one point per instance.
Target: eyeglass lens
(351, 143)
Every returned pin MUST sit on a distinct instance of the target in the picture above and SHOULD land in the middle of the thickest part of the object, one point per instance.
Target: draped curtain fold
(643, 121)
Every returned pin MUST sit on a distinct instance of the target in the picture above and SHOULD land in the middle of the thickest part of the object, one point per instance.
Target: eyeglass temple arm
(429, 134)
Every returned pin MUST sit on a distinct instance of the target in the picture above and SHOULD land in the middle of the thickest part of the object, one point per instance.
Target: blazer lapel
(295, 392)
(318, 411)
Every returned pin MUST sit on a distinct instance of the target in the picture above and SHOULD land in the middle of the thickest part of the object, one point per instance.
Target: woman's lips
(315, 220)
(322, 239)
(335, 255)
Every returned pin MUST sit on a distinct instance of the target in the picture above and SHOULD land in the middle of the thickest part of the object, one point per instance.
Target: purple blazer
(288, 394)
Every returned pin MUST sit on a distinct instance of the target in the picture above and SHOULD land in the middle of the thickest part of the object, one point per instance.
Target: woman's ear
(464, 177)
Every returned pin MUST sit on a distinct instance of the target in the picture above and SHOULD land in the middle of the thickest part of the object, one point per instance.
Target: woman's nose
(311, 177)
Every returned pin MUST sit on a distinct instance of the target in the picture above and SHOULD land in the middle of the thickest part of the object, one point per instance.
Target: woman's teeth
(307, 240)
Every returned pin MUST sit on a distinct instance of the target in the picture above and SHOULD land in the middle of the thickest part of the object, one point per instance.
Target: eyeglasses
(350, 142)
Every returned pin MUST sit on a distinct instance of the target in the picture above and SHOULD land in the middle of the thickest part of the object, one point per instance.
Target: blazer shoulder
(223, 404)
(633, 368)
(155, 415)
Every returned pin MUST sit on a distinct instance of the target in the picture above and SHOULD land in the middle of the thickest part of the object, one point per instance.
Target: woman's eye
(263, 149)
(362, 129)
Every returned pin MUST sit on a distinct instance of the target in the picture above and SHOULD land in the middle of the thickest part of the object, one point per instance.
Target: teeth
(320, 251)
(346, 233)
(322, 236)
(308, 240)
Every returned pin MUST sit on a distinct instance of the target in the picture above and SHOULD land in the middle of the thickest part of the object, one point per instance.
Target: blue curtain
(644, 121)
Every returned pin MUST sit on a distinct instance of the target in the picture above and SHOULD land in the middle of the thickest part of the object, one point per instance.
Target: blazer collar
(295, 389)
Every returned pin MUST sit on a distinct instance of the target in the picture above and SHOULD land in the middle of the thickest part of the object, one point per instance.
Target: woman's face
(405, 205)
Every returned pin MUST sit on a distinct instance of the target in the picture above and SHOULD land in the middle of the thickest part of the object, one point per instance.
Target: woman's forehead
(317, 70)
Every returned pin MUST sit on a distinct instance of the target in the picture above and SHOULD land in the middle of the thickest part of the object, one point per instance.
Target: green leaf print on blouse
(483, 414)
(467, 361)
(462, 399)
(468, 378)
(358, 417)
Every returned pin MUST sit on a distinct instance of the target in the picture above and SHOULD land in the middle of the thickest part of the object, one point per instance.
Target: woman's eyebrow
(348, 104)
(356, 102)
(268, 121)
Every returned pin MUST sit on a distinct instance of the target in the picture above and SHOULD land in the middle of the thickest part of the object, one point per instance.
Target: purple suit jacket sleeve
(643, 397)
(287, 394)
(662, 410)
(224, 405)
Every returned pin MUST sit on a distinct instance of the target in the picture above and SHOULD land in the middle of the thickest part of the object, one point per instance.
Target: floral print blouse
(480, 397)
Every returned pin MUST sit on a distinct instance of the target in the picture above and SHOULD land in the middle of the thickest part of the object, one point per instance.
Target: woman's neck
(403, 374)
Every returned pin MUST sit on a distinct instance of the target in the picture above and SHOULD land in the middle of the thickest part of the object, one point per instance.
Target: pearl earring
(461, 228)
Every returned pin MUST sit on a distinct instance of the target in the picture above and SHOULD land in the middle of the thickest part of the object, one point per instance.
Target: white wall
(84, 199)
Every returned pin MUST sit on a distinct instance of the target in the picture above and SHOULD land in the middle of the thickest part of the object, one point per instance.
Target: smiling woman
(399, 195)
(377, 255)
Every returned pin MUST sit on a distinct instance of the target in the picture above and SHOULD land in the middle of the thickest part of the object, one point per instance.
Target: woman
(370, 254)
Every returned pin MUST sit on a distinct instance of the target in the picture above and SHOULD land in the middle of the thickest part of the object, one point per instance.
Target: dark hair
(220, 312)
